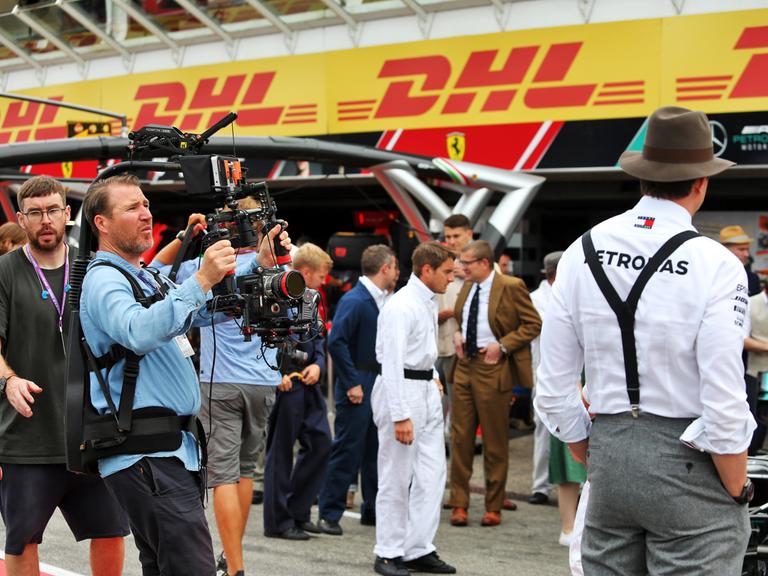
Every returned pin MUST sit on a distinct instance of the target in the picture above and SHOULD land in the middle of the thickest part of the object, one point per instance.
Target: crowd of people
(632, 345)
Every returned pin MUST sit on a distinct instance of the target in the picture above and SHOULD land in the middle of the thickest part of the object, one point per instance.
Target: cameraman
(238, 393)
(300, 413)
(161, 492)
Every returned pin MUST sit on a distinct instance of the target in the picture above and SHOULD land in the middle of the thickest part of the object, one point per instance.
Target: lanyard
(47, 290)
(147, 282)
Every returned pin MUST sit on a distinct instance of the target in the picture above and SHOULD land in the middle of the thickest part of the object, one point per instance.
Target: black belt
(407, 372)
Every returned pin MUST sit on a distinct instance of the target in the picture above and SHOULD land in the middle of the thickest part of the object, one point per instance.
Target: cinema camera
(272, 303)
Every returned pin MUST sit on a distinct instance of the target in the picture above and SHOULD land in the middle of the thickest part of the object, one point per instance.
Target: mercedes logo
(719, 137)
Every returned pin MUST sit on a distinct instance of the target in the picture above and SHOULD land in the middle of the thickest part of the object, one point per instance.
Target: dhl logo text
(31, 121)
(481, 79)
(170, 103)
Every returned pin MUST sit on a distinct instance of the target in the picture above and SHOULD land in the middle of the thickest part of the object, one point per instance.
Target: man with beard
(33, 326)
(161, 491)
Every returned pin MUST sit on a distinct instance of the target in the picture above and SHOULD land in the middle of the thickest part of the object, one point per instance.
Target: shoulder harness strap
(124, 413)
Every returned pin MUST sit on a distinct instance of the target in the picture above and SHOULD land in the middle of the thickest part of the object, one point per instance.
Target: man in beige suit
(498, 322)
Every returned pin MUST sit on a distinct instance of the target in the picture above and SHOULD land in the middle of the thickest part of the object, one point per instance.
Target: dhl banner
(714, 62)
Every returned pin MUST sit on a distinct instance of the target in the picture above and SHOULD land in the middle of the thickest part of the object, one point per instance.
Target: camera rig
(272, 303)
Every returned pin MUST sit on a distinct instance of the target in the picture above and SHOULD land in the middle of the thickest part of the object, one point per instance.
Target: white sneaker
(565, 539)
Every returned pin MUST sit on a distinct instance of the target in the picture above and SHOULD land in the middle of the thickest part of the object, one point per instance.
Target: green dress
(562, 467)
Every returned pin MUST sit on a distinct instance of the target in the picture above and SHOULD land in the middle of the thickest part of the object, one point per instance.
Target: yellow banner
(714, 62)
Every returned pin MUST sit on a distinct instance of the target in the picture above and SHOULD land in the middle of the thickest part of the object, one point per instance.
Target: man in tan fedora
(654, 313)
(737, 241)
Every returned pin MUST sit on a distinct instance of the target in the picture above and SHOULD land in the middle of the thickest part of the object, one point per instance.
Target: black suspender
(625, 309)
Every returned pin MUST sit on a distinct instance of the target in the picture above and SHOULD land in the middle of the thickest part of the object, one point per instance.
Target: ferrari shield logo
(456, 144)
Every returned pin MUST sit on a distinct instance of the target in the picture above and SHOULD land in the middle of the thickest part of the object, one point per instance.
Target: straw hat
(734, 235)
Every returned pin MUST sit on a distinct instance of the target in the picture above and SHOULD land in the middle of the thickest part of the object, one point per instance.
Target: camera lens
(288, 284)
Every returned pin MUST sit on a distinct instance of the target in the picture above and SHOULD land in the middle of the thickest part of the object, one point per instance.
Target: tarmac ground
(525, 544)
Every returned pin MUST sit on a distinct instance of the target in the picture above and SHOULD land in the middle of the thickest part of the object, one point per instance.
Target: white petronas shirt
(688, 330)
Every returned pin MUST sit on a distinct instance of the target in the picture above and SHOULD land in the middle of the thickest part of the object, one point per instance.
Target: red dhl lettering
(405, 98)
(750, 84)
(27, 120)
(168, 103)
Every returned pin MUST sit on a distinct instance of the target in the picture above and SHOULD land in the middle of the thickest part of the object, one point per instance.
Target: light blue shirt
(237, 361)
(109, 314)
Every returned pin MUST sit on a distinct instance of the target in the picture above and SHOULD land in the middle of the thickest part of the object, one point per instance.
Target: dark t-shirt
(34, 349)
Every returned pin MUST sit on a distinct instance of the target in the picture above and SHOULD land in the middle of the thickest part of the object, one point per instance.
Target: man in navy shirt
(352, 343)
(300, 413)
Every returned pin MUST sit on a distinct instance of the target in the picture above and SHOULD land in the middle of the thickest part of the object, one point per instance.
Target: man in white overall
(407, 409)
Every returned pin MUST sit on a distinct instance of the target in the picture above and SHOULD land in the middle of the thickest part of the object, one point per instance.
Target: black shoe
(368, 520)
(290, 534)
(390, 566)
(258, 497)
(329, 527)
(430, 563)
(538, 498)
(221, 565)
(308, 526)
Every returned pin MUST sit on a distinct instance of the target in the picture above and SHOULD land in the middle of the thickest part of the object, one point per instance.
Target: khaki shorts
(235, 421)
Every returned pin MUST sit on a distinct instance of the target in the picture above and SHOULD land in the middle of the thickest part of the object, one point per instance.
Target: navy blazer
(352, 340)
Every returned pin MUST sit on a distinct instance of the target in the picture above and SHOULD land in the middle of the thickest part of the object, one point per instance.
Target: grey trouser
(657, 507)
(237, 430)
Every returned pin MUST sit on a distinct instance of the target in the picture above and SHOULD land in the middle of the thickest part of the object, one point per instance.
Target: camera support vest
(123, 430)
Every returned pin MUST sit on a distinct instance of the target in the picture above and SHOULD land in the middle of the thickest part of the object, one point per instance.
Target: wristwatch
(180, 235)
(746, 493)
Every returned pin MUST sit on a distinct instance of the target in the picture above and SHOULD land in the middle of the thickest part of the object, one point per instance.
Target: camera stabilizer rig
(273, 303)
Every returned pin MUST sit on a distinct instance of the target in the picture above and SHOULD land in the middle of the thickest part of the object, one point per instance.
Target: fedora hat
(551, 261)
(734, 235)
(678, 146)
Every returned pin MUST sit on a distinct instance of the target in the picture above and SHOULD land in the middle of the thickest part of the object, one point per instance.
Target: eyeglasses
(468, 262)
(35, 216)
